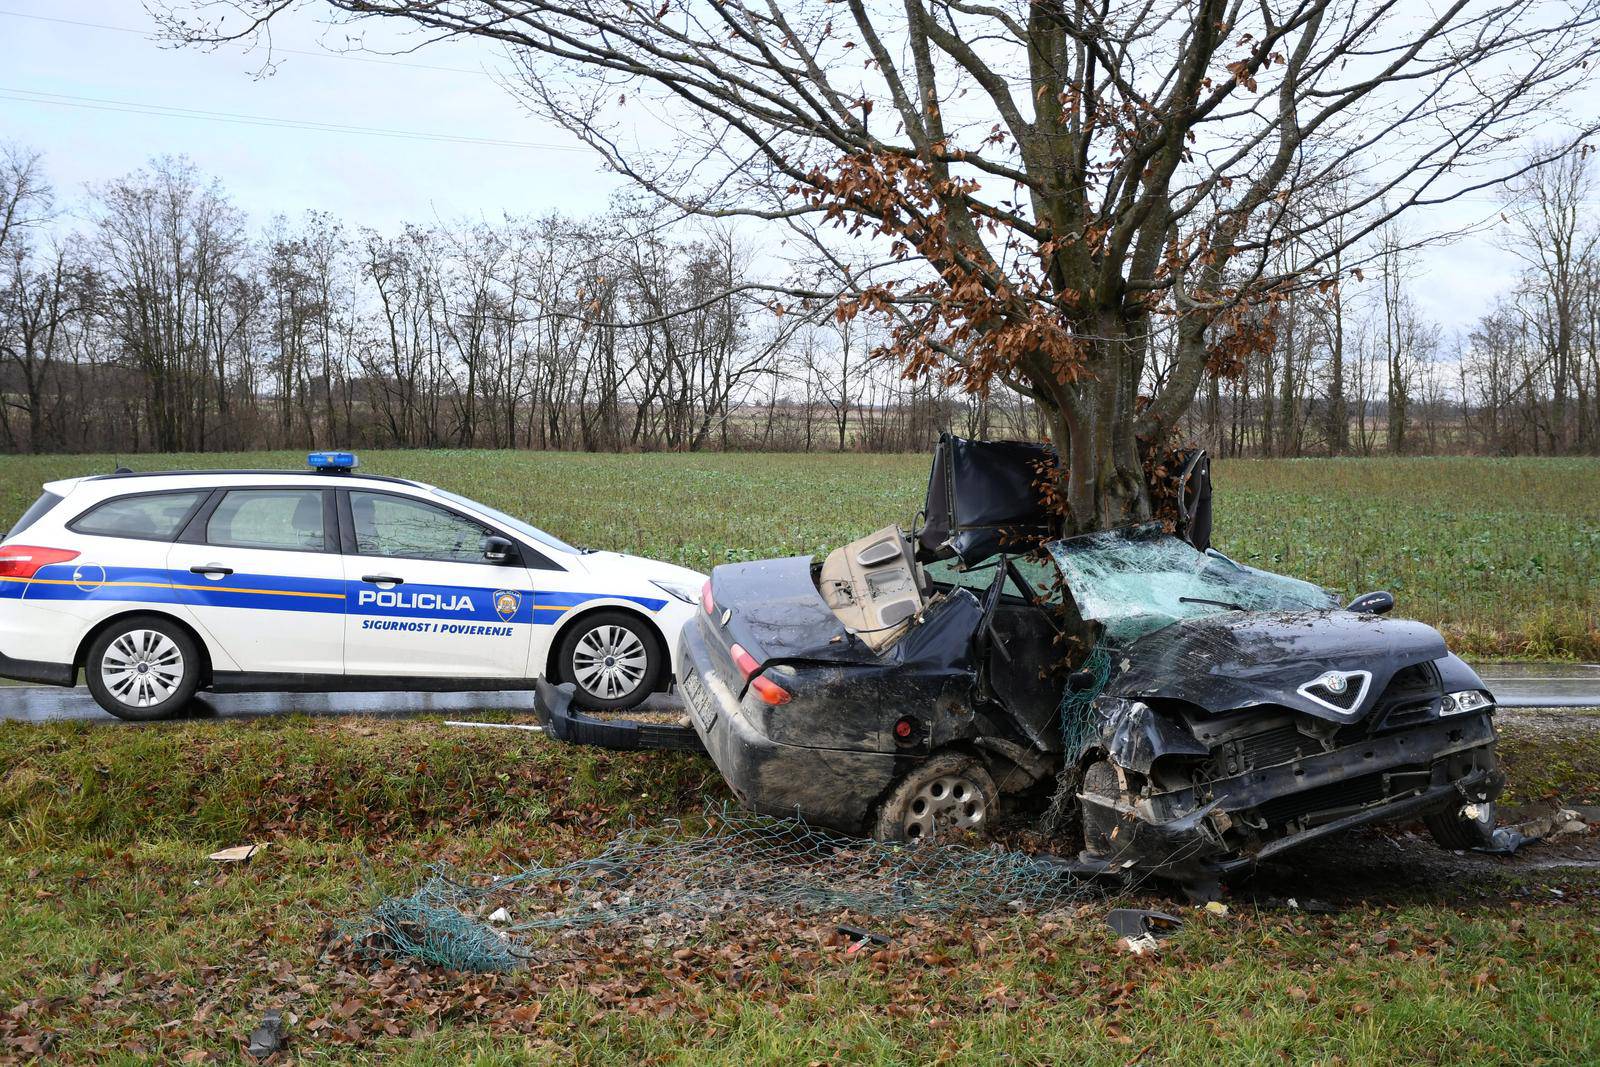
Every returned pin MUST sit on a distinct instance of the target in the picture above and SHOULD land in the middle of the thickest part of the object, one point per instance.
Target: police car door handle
(382, 579)
(212, 571)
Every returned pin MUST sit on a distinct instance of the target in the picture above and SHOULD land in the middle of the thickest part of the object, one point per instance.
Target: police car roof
(335, 476)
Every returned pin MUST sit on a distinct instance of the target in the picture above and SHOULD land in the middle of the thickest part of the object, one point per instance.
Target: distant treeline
(152, 318)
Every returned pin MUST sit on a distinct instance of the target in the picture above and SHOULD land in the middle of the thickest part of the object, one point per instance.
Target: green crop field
(1502, 554)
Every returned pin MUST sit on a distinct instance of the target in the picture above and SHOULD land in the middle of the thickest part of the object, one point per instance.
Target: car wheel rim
(950, 802)
(609, 661)
(142, 668)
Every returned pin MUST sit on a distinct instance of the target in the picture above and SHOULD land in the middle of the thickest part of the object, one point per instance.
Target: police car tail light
(764, 687)
(24, 561)
(706, 602)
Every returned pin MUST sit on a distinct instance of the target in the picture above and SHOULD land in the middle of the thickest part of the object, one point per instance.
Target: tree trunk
(1093, 424)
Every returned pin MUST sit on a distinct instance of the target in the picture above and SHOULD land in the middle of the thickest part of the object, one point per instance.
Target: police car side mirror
(497, 549)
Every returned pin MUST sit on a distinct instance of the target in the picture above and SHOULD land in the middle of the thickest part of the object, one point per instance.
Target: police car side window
(149, 516)
(400, 526)
(281, 519)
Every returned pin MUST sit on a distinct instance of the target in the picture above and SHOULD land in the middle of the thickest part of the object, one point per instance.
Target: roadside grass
(124, 943)
(1551, 756)
(1503, 555)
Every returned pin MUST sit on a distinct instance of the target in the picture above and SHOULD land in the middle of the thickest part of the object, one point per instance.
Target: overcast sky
(74, 92)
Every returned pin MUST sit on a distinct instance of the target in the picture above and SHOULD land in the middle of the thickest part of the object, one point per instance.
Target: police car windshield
(516, 524)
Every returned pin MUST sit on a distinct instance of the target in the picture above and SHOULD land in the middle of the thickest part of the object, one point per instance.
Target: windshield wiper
(1214, 603)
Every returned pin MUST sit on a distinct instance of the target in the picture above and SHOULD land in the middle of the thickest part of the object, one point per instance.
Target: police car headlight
(684, 591)
(1464, 702)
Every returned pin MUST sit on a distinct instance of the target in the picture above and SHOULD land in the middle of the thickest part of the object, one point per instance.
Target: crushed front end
(1246, 713)
(1191, 794)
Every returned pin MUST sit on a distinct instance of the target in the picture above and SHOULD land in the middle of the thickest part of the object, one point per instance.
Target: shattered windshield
(1036, 572)
(1139, 579)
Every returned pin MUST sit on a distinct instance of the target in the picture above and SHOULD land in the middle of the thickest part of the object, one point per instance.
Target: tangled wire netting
(739, 861)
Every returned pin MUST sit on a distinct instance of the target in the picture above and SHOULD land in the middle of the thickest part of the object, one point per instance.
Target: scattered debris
(530, 728)
(236, 854)
(1507, 839)
(500, 915)
(1134, 923)
(860, 939)
(267, 1038)
(1145, 945)
(1217, 908)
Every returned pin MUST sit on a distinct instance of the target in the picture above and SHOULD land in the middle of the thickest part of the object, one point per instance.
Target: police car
(157, 585)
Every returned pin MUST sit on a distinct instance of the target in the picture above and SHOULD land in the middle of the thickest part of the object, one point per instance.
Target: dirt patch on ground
(1384, 865)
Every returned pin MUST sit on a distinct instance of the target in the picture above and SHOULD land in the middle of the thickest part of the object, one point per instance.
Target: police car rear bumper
(553, 705)
(40, 671)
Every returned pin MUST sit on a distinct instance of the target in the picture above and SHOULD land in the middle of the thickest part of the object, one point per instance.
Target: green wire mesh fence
(738, 862)
(1077, 729)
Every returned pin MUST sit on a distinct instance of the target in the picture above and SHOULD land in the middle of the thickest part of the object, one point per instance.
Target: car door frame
(193, 535)
(528, 558)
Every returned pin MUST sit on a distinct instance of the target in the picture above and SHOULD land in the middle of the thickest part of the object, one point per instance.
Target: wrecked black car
(908, 686)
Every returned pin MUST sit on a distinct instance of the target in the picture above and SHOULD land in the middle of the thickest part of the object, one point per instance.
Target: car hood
(1224, 662)
(636, 568)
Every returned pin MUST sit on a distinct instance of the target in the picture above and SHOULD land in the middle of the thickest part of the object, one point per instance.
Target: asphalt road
(1516, 685)
(43, 703)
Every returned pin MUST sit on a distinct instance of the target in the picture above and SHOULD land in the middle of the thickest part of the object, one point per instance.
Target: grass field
(1502, 554)
(120, 942)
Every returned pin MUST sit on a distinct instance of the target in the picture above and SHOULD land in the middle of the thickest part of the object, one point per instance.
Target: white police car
(157, 585)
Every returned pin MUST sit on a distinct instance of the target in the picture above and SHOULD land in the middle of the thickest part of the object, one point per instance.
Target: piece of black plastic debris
(860, 938)
(268, 1037)
(1137, 922)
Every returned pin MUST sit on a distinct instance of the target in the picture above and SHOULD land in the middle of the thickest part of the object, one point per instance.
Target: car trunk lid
(771, 609)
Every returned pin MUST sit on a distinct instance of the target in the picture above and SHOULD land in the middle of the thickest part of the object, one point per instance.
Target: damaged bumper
(1230, 823)
(829, 787)
(552, 704)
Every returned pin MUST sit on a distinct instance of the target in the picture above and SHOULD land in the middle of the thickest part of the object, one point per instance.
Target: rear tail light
(764, 687)
(744, 661)
(768, 690)
(706, 602)
(24, 561)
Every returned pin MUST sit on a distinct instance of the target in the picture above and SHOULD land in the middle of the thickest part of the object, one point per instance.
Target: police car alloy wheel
(612, 659)
(143, 668)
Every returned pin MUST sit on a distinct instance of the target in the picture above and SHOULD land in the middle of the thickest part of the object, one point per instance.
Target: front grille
(1344, 700)
(1352, 792)
(1408, 700)
(1409, 697)
(1278, 745)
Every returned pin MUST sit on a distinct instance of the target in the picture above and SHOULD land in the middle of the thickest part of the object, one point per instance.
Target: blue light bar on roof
(332, 461)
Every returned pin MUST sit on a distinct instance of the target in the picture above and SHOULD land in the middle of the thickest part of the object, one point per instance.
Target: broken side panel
(1139, 579)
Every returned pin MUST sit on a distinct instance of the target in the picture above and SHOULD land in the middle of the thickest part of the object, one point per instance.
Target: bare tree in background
(1041, 180)
(26, 197)
(169, 247)
(37, 299)
(1551, 209)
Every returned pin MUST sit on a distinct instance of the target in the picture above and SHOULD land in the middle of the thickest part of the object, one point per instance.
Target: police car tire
(176, 701)
(571, 640)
